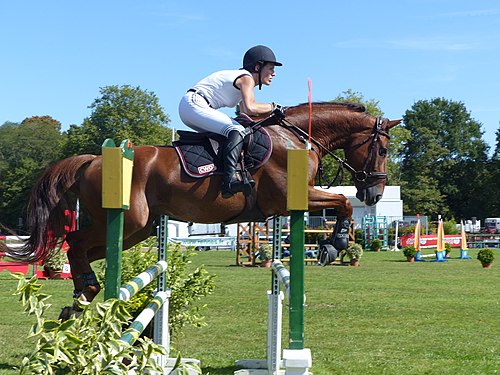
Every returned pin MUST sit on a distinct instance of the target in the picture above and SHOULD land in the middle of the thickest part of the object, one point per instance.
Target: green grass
(385, 317)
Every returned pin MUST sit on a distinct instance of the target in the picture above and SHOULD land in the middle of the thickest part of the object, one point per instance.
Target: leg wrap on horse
(77, 293)
(340, 235)
(89, 279)
(91, 287)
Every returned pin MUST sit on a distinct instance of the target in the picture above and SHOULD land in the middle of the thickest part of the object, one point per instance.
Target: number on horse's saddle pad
(200, 154)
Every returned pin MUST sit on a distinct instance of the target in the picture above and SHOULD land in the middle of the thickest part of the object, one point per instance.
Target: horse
(161, 187)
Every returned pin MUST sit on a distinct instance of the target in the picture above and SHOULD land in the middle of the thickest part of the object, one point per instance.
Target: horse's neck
(332, 130)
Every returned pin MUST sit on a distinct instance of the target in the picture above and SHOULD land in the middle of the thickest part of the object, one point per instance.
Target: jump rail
(131, 288)
(140, 323)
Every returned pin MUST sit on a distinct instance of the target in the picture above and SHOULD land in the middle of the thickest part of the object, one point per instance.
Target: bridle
(364, 175)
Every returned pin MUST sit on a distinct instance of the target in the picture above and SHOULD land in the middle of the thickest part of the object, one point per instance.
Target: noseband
(364, 175)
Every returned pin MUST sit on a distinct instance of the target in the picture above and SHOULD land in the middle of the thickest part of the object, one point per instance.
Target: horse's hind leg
(84, 279)
(97, 253)
(86, 286)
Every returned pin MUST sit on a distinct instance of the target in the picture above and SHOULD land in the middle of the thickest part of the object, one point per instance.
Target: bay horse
(160, 186)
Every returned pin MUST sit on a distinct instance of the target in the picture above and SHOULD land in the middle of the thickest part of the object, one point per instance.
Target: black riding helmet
(259, 55)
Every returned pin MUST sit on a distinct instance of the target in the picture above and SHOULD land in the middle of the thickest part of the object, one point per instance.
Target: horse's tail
(46, 208)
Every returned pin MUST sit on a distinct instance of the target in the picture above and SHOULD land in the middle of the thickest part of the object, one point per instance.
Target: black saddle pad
(200, 156)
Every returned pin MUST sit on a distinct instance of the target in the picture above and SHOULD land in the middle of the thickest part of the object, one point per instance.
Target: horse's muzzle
(370, 195)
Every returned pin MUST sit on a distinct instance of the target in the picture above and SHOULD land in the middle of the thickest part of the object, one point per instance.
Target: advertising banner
(431, 240)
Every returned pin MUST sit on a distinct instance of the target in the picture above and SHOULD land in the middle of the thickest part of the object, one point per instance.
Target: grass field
(385, 317)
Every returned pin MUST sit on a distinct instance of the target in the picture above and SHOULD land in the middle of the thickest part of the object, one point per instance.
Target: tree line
(437, 155)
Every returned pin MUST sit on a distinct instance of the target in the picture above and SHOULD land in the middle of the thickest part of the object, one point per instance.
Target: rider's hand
(278, 110)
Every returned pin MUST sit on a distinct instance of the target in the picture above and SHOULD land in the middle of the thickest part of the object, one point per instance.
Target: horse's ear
(393, 123)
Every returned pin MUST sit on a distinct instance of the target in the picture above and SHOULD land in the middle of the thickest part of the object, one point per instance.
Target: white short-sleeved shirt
(220, 88)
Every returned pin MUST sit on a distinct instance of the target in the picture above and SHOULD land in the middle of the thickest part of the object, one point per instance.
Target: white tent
(390, 205)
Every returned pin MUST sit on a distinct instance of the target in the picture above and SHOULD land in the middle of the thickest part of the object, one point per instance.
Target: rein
(361, 175)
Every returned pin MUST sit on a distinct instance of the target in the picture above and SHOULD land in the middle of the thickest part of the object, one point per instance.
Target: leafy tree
(491, 190)
(25, 150)
(496, 154)
(47, 120)
(120, 113)
(7, 136)
(351, 96)
(443, 161)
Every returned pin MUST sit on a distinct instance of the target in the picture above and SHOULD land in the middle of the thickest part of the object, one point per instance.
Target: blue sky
(57, 54)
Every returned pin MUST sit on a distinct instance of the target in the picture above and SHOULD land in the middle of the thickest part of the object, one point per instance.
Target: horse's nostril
(361, 195)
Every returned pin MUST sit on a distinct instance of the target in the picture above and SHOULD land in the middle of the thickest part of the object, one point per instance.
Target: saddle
(200, 154)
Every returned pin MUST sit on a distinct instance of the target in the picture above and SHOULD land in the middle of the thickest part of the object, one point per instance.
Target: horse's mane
(355, 107)
(345, 115)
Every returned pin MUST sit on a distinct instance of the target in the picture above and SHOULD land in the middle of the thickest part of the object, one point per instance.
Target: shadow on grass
(229, 370)
(13, 364)
(6, 366)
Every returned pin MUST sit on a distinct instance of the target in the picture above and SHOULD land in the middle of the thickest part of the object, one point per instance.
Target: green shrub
(56, 259)
(354, 251)
(358, 237)
(89, 344)
(409, 251)
(447, 247)
(376, 244)
(265, 251)
(186, 287)
(134, 261)
(485, 256)
(450, 227)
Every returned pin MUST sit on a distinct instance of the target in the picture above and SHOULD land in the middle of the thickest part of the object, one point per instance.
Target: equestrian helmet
(261, 55)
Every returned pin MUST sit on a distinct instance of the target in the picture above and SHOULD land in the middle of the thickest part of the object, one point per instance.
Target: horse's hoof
(67, 312)
(90, 291)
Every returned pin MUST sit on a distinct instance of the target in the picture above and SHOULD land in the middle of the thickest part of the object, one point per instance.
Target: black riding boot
(230, 154)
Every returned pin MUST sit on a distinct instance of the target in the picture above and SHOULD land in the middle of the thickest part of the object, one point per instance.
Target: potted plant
(376, 245)
(265, 254)
(354, 252)
(486, 257)
(54, 263)
(447, 250)
(409, 252)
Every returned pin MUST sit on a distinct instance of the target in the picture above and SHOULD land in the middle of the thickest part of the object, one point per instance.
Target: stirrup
(248, 180)
(235, 186)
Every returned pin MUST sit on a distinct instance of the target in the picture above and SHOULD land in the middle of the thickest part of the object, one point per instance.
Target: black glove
(278, 111)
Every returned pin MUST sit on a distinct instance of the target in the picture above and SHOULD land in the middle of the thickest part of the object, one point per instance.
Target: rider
(227, 88)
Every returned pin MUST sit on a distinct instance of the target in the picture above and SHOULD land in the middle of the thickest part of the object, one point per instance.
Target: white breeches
(198, 115)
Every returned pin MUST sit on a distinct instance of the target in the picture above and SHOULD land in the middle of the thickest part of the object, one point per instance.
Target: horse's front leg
(319, 200)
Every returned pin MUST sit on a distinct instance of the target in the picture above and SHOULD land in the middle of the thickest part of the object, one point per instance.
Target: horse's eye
(382, 151)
